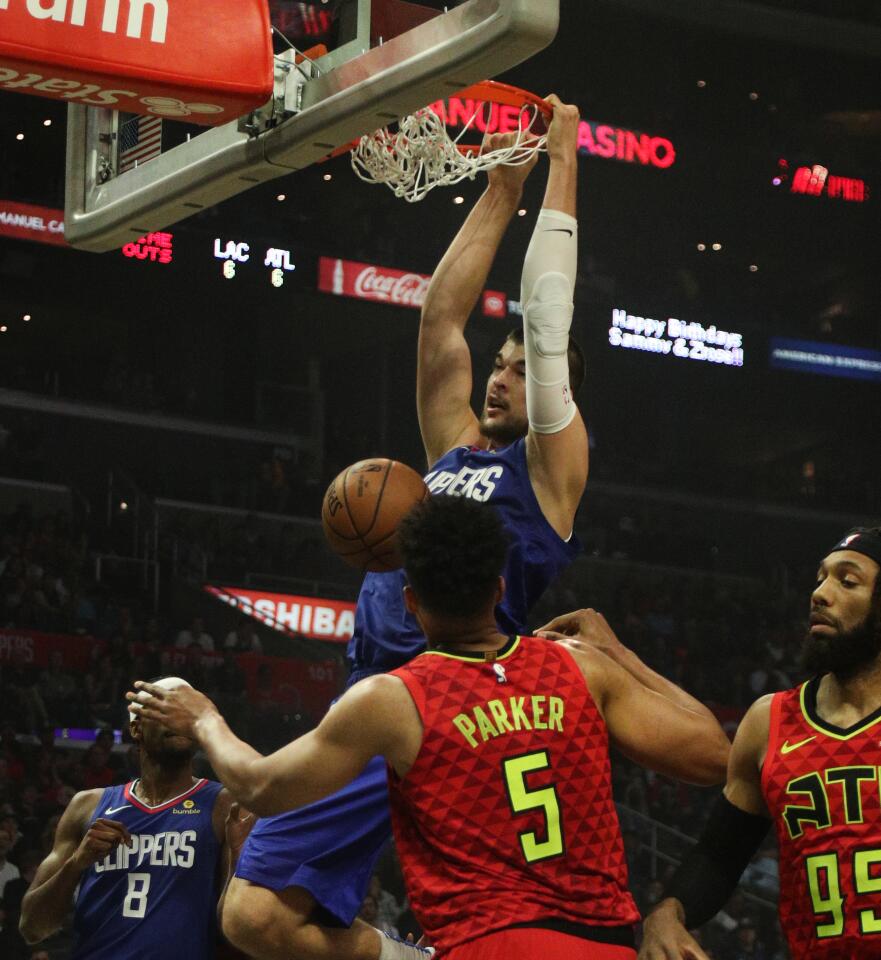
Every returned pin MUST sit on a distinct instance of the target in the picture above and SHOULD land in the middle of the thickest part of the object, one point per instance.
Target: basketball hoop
(421, 154)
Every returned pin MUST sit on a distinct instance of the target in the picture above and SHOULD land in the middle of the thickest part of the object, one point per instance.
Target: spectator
(369, 914)
(20, 682)
(104, 694)
(98, 772)
(195, 633)
(12, 947)
(59, 692)
(8, 871)
(17, 887)
(744, 942)
(762, 874)
(387, 907)
(243, 639)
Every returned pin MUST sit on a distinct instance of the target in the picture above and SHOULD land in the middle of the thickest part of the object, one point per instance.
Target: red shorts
(528, 943)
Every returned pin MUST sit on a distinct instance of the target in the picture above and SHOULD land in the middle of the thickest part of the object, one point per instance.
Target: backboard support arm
(469, 43)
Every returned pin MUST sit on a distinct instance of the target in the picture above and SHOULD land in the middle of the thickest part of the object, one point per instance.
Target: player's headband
(866, 542)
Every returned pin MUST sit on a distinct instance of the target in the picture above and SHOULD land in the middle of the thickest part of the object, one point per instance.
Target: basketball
(362, 509)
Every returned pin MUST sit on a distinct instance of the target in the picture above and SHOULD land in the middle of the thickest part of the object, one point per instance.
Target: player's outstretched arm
(49, 898)
(443, 373)
(556, 444)
(377, 717)
(589, 628)
(650, 729)
(707, 876)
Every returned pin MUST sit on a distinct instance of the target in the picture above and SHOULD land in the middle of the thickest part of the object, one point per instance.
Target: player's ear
(500, 590)
(410, 601)
(134, 728)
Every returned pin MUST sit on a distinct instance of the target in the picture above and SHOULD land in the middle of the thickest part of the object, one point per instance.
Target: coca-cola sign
(366, 281)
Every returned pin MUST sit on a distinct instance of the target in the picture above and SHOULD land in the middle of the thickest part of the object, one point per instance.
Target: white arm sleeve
(547, 288)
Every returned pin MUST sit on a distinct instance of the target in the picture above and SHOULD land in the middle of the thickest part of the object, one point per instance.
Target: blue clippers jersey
(158, 897)
(386, 636)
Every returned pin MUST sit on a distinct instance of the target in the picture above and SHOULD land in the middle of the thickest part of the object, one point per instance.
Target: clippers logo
(847, 541)
(499, 671)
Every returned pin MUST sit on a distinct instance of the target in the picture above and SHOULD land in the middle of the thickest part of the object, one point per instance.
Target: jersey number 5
(524, 800)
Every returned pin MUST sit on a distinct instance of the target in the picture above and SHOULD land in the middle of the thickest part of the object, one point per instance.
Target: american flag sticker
(140, 139)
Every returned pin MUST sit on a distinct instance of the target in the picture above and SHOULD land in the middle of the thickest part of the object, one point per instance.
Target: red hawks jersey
(821, 784)
(506, 818)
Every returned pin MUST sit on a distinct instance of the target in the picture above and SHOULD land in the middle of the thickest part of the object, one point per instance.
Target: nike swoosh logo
(111, 810)
(559, 230)
(788, 747)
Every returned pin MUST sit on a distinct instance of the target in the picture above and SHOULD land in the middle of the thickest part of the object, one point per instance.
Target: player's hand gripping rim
(179, 710)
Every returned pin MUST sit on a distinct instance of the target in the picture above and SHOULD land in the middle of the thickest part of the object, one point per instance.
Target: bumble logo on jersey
(188, 806)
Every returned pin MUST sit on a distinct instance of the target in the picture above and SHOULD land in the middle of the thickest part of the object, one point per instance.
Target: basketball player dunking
(142, 862)
(497, 748)
(302, 877)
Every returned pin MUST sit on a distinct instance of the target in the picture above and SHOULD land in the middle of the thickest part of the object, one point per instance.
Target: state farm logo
(110, 22)
(406, 289)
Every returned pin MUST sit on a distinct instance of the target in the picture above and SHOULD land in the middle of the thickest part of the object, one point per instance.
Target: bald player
(142, 862)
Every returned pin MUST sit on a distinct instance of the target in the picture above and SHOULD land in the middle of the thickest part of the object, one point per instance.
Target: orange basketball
(362, 508)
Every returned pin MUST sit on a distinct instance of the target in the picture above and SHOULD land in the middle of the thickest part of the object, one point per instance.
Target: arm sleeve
(706, 878)
(547, 288)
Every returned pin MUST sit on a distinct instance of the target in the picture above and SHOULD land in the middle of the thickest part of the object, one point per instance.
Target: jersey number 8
(135, 903)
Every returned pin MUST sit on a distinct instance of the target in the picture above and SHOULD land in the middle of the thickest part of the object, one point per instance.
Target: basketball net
(422, 155)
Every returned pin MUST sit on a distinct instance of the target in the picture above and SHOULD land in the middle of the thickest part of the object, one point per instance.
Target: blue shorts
(329, 848)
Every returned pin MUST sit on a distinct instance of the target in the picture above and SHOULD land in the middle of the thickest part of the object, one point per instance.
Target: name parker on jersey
(170, 849)
(497, 717)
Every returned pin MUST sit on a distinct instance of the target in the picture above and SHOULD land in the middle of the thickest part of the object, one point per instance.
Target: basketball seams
(391, 499)
(379, 495)
(362, 535)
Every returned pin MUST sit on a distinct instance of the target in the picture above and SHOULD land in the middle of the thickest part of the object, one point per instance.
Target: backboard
(393, 57)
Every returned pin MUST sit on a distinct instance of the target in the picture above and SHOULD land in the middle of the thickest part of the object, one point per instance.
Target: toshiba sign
(332, 620)
(208, 62)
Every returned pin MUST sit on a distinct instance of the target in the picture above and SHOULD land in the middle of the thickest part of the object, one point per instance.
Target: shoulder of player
(379, 696)
(222, 804)
(751, 740)
(81, 807)
(598, 669)
(757, 719)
